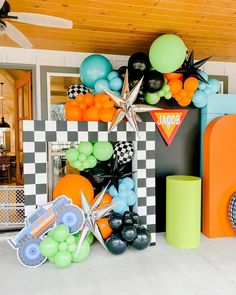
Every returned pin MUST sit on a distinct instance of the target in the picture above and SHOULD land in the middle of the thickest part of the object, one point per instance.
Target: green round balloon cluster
(86, 155)
(153, 98)
(59, 246)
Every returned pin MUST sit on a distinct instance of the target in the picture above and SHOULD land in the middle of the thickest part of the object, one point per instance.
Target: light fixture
(3, 124)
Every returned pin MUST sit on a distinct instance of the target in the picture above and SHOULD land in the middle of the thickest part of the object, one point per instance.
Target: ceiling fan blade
(16, 35)
(42, 20)
(1, 3)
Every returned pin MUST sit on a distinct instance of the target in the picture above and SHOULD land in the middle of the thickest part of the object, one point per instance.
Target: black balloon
(127, 214)
(116, 245)
(128, 220)
(122, 71)
(116, 221)
(142, 240)
(129, 233)
(153, 81)
(139, 61)
(135, 217)
(135, 77)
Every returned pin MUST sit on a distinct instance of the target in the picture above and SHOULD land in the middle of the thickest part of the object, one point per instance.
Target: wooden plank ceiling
(128, 26)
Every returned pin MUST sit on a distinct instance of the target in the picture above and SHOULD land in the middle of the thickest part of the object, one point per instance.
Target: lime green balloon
(60, 233)
(76, 164)
(50, 233)
(83, 253)
(63, 259)
(167, 53)
(72, 154)
(152, 98)
(168, 95)
(90, 238)
(92, 161)
(86, 164)
(70, 240)
(62, 246)
(86, 148)
(82, 157)
(102, 150)
(161, 93)
(52, 259)
(166, 88)
(72, 248)
(48, 247)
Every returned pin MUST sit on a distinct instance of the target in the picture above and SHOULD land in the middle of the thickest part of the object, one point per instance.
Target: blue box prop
(218, 106)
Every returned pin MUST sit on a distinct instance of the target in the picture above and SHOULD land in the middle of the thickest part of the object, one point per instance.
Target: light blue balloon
(116, 84)
(113, 191)
(99, 83)
(131, 198)
(121, 187)
(214, 84)
(116, 92)
(93, 68)
(128, 182)
(203, 74)
(208, 90)
(202, 85)
(112, 75)
(120, 205)
(199, 99)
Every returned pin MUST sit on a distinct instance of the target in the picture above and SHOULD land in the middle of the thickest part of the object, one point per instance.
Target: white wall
(9, 55)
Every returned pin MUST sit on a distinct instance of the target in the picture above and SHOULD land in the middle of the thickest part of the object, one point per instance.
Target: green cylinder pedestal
(183, 211)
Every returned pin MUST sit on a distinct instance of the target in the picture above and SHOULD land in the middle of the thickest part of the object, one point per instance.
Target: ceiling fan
(27, 18)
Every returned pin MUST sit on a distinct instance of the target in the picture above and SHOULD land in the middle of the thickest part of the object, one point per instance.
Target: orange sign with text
(168, 122)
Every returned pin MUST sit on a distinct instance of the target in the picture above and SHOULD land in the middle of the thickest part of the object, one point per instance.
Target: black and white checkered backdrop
(36, 135)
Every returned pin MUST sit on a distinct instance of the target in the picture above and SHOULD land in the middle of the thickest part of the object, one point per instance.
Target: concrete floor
(159, 270)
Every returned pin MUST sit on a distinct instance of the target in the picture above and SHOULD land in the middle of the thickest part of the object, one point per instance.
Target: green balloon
(48, 247)
(62, 246)
(86, 148)
(63, 259)
(82, 157)
(72, 248)
(76, 164)
(102, 150)
(168, 95)
(70, 240)
(161, 93)
(50, 233)
(86, 164)
(167, 53)
(166, 88)
(152, 98)
(92, 161)
(60, 233)
(72, 154)
(90, 238)
(52, 259)
(83, 253)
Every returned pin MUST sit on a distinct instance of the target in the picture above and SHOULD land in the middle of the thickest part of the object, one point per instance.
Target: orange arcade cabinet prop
(219, 175)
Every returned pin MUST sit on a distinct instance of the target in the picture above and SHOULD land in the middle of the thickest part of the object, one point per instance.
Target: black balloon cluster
(127, 231)
(139, 66)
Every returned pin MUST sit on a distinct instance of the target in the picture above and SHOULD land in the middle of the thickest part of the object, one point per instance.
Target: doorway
(15, 106)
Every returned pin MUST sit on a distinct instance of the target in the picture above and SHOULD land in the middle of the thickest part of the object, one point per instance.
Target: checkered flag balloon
(232, 211)
(76, 89)
(124, 151)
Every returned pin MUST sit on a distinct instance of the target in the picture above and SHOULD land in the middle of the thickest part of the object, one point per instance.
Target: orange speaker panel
(219, 175)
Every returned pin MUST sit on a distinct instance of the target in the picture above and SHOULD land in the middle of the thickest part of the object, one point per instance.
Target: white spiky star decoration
(126, 107)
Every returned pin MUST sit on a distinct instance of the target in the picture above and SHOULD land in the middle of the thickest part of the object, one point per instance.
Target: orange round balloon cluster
(182, 92)
(90, 108)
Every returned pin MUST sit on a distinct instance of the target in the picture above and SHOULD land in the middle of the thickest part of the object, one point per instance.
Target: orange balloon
(91, 114)
(71, 186)
(175, 86)
(185, 101)
(106, 115)
(83, 106)
(79, 98)
(73, 113)
(191, 84)
(108, 104)
(89, 99)
(72, 103)
(106, 200)
(104, 227)
(171, 76)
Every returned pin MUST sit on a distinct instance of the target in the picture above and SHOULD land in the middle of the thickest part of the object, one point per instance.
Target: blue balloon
(94, 67)
(208, 90)
(113, 191)
(131, 198)
(123, 194)
(199, 99)
(116, 92)
(112, 75)
(116, 83)
(203, 74)
(202, 85)
(128, 182)
(120, 205)
(214, 84)
(99, 83)
(122, 187)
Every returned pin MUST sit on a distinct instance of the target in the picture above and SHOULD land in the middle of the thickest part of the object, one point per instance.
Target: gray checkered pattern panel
(38, 133)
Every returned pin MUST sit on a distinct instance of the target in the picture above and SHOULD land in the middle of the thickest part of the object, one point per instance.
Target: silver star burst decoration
(126, 108)
(92, 214)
